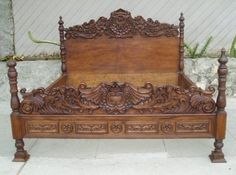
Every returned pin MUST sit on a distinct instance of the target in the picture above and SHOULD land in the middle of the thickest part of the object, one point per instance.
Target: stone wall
(203, 71)
(34, 74)
(6, 28)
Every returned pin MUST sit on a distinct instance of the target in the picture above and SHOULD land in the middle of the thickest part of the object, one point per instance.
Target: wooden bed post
(181, 43)
(21, 155)
(62, 46)
(217, 156)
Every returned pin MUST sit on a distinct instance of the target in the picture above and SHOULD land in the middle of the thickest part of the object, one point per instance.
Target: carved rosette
(167, 127)
(67, 128)
(116, 98)
(117, 127)
(121, 25)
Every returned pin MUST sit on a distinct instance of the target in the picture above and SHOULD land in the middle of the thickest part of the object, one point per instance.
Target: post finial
(222, 73)
(181, 18)
(60, 22)
(62, 46)
(181, 42)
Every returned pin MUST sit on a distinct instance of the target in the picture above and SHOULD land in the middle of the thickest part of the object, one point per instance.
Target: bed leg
(217, 156)
(21, 154)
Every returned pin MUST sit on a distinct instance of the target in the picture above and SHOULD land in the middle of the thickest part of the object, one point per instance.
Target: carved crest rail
(121, 25)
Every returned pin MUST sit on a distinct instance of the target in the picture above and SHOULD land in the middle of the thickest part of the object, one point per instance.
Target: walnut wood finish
(62, 47)
(21, 154)
(217, 155)
(122, 77)
(181, 43)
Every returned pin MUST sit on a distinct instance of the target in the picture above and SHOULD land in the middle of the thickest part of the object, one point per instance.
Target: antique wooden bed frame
(122, 77)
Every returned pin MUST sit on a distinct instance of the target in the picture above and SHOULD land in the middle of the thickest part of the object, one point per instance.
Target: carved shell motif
(121, 25)
(117, 98)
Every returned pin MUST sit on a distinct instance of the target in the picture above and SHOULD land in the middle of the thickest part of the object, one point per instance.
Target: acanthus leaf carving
(117, 98)
(121, 25)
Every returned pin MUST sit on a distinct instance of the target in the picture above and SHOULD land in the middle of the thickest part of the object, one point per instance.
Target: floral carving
(121, 25)
(167, 127)
(91, 128)
(117, 98)
(192, 126)
(43, 127)
(116, 127)
(67, 127)
(141, 128)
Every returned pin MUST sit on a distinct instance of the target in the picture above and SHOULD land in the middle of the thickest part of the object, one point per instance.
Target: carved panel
(194, 126)
(121, 25)
(158, 127)
(91, 128)
(140, 127)
(42, 127)
(118, 98)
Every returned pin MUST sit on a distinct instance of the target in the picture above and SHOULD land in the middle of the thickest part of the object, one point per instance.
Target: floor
(117, 157)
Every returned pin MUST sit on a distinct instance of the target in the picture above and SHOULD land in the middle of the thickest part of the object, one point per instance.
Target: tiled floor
(113, 157)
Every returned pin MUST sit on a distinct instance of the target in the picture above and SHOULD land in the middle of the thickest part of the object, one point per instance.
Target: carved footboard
(118, 99)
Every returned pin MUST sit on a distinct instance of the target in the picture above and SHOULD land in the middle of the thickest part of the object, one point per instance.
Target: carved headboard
(122, 48)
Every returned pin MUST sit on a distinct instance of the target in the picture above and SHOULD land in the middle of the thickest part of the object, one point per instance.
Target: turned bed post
(62, 46)
(21, 154)
(181, 43)
(217, 155)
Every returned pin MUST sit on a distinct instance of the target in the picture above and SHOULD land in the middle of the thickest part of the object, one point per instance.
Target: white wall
(204, 18)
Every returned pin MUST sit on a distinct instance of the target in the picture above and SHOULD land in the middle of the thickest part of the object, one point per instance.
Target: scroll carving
(115, 98)
(141, 128)
(192, 126)
(121, 25)
(91, 128)
(44, 127)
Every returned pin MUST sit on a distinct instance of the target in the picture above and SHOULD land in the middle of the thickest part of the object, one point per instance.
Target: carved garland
(117, 98)
(121, 25)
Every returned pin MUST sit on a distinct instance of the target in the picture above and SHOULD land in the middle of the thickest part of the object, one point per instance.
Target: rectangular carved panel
(42, 127)
(193, 126)
(91, 128)
(136, 127)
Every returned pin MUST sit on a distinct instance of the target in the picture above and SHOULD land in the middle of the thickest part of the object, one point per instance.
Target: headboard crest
(121, 25)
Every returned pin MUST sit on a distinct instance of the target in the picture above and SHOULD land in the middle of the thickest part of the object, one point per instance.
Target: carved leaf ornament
(117, 98)
(121, 25)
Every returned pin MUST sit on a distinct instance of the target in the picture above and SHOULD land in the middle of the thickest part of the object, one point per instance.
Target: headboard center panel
(138, 55)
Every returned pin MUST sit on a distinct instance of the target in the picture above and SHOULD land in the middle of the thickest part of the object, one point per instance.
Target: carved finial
(223, 59)
(181, 16)
(60, 22)
(62, 46)
(181, 42)
(222, 73)
(12, 75)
